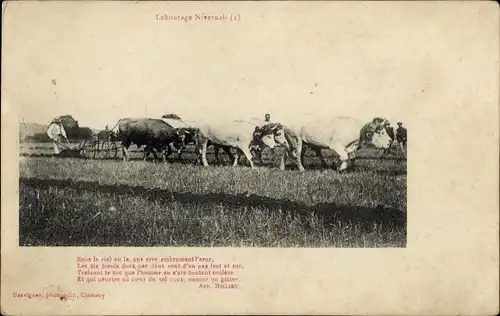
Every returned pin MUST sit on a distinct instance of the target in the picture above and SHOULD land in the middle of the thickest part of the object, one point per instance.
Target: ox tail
(114, 129)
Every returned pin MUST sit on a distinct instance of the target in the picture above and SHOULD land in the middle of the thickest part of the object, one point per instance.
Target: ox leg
(168, 152)
(216, 154)
(160, 158)
(300, 153)
(147, 151)
(248, 155)
(283, 157)
(125, 147)
(386, 151)
(286, 153)
(155, 155)
(303, 154)
(259, 155)
(197, 151)
(253, 152)
(227, 150)
(153, 150)
(236, 157)
(323, 161)
(165, 154)
(335, 163)
(204, 146)
(344, 157)
(217, 149)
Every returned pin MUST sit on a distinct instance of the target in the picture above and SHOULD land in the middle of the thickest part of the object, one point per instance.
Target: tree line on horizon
(73, 130)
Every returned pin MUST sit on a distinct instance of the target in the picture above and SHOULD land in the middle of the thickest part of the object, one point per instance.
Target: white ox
(240, 135)
(342, 135)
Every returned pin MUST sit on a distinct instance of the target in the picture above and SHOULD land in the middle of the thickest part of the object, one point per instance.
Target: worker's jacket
(56, 132)
(401, 134)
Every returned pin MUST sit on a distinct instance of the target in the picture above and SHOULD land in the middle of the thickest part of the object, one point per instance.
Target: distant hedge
(80, 133)
(75, 134)
(37, 138)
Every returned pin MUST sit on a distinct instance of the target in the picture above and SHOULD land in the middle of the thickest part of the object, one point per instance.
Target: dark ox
(155, 134)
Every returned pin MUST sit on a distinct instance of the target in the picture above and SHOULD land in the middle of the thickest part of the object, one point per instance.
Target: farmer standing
(401, 136)
(57, 133)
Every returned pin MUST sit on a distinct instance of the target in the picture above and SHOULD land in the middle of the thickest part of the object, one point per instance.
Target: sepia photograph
(276, 151)
(339, 182)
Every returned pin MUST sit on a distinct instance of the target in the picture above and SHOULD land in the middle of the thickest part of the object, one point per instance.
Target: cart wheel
(88, 149)
(113, 150)
(98, 150)
(101, 150)
(105, 150)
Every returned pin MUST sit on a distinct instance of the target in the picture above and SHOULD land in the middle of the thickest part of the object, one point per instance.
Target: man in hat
(256, 149)
(390, 131)
(57, 133)
(401, 136)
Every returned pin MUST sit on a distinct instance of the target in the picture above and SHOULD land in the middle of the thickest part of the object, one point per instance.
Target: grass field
(77, 202)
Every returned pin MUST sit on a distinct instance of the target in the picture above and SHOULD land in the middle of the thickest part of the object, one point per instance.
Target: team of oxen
(343, 135)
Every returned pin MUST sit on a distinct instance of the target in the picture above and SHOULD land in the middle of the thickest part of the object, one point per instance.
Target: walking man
(401, 136)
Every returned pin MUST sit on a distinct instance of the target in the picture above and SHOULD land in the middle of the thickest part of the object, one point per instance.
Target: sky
(102, 61)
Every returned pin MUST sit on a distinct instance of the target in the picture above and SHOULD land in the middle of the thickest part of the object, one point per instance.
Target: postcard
(250, 157)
